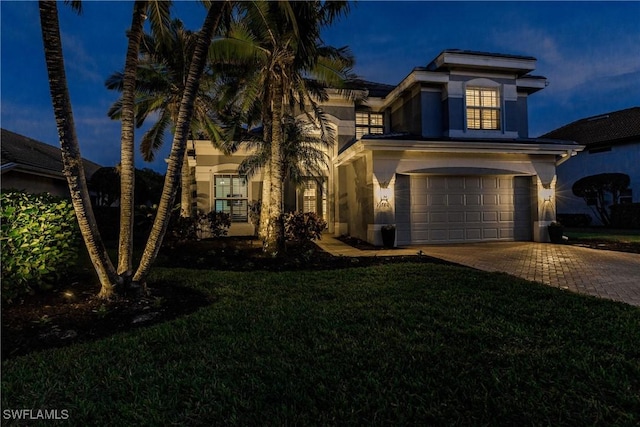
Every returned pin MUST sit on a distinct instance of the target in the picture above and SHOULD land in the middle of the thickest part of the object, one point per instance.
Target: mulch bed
(73, 314)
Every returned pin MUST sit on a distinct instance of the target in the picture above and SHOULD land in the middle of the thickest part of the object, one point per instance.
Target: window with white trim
(312, 193)
(230, 193)
(483, 108)
(369, 123)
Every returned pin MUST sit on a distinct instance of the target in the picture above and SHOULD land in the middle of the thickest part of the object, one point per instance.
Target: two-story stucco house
(612, 142)
(445, 155)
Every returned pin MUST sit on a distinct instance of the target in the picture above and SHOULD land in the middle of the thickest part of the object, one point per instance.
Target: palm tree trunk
(266, 173)
(127, 160)
(266, 199)
(178, 147)
(274, 240)
(71, 157)
(185, 184)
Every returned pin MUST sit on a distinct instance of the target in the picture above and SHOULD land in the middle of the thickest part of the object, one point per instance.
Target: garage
(435, 209)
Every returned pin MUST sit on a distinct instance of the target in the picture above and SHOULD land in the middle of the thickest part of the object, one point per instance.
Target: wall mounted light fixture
(546, 194)
(385, 194)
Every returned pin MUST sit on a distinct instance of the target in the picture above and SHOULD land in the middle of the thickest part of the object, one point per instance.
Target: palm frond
(76, 5)
(147, 105)
(332, 10)
(253, 163)
(153, 139)
(115, 111)
(239, 46)
(258, 14)
(115, 81)
(160, 18)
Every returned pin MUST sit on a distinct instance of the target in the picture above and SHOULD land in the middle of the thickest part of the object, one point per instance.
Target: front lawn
(605, 238)
(395, 344)
(601, 233)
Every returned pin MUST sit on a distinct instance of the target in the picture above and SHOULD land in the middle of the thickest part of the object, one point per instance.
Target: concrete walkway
(605, 274)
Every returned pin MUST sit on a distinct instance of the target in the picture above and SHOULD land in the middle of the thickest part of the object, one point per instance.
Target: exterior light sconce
(385, 194)
(546, 194)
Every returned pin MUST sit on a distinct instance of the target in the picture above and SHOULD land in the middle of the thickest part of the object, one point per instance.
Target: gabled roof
(610, 128)
(29, 155)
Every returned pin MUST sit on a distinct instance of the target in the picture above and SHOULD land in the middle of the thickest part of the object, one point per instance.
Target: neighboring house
(612, 142)
(34, 167)
(445, 155)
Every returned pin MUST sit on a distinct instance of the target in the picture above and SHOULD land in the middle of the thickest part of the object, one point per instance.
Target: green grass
(624, 236)
(390, 345)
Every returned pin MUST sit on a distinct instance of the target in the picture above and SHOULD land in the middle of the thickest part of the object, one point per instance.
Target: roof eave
(541, 148)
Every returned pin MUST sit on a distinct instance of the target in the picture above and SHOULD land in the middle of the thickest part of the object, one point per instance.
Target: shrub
(255, 207)
(303, 226)
(39, 241)
(183, 229)
(297, 225)
(213, 224)
(625, 215)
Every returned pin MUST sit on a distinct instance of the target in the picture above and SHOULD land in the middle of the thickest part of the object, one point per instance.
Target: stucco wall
(357, 199)
(621, 159)
(403, 208)
(203, 198)
(522, 114)
(431, 114)
(35, 184)
(455, 114)
(343, 117)
(510, 116)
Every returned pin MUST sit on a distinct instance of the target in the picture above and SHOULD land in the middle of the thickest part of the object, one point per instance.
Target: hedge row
(40, 241)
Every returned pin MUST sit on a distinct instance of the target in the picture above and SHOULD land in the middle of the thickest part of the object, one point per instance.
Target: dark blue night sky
(589, 51)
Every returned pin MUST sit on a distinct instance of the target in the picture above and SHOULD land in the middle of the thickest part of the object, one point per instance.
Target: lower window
(314, 197)
(231, 196)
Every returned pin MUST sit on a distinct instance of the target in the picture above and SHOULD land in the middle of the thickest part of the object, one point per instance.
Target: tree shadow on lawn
(70, 313)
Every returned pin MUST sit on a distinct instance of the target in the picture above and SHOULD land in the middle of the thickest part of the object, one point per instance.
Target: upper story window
(483, 108)
(369, 123)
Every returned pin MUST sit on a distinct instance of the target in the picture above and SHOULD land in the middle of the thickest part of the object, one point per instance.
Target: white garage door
(450, 209)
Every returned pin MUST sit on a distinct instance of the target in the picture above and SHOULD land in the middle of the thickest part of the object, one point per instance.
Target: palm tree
(71, 157)
(108, 276)
(291, 70)
(161, 73)
(216, 14)
(304, 155)
(127, 161)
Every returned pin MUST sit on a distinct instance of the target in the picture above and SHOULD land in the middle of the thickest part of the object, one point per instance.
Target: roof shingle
(615, 127)
(36, 155)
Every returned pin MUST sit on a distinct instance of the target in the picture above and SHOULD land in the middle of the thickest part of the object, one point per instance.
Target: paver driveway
(606, 274)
